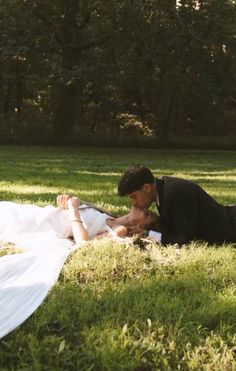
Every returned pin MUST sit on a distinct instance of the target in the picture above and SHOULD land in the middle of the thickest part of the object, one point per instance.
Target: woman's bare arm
(79, 232)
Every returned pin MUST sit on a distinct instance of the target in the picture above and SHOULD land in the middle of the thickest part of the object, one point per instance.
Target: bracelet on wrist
(76, 221)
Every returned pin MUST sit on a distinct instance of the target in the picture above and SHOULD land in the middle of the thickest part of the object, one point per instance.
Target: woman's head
(144, 218)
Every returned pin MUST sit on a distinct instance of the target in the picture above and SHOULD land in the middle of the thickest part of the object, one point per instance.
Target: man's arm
(180, 219)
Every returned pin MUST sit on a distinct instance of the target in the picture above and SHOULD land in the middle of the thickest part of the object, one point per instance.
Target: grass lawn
(117, 307)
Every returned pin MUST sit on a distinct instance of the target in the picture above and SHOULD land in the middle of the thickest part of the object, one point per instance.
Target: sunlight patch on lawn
(98, 173)
(202, 175)
(26, 188)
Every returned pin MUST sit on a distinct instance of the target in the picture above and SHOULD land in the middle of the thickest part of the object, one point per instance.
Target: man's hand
(62, 200)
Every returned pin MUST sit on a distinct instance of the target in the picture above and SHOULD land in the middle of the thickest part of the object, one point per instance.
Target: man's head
(138, 183)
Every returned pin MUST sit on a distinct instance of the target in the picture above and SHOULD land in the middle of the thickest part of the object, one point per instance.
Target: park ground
(117, 306)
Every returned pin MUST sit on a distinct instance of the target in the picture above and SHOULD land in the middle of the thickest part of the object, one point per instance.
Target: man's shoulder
(170, 183)
(174, 179)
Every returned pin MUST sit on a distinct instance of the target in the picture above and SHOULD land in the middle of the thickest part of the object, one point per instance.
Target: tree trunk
(65, 112)
(19, 86)
(65, 115)
(166, 121)
(7, 98)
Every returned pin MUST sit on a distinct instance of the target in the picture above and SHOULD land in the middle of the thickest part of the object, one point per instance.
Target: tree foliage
(74, 70)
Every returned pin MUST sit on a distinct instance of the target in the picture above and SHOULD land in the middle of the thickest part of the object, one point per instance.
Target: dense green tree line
(74, 70)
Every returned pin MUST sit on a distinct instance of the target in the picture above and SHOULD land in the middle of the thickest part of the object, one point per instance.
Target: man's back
(189, 213)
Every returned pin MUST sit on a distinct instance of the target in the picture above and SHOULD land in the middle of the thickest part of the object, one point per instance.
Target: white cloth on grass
(155, 235)
(27, 277)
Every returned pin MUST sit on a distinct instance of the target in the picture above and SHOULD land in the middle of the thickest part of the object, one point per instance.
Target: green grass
(117, 307)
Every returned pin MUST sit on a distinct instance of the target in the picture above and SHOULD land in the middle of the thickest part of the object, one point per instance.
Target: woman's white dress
(18, 219)
(42, 233)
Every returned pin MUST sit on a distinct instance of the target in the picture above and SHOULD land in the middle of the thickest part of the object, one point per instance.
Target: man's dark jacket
(188, 213)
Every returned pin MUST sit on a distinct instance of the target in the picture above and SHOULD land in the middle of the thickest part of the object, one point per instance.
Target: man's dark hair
(134, 179)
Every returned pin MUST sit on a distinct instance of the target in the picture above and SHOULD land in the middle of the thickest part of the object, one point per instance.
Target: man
(186, 211)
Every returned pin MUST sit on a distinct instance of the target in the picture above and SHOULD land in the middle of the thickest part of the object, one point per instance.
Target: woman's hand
(73, 203)
(121, 231)
(62, 200)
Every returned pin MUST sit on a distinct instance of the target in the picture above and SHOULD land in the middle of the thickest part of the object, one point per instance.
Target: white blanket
(27, 277)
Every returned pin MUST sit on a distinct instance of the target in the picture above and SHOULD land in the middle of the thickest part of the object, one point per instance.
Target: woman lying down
(45, 234)
(71, 219)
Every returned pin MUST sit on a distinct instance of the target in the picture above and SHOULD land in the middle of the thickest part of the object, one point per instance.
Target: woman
(69, 219)
(42, 233)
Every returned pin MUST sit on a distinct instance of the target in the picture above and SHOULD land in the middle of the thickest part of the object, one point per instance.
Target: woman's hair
(154, 225)
(134, 179)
